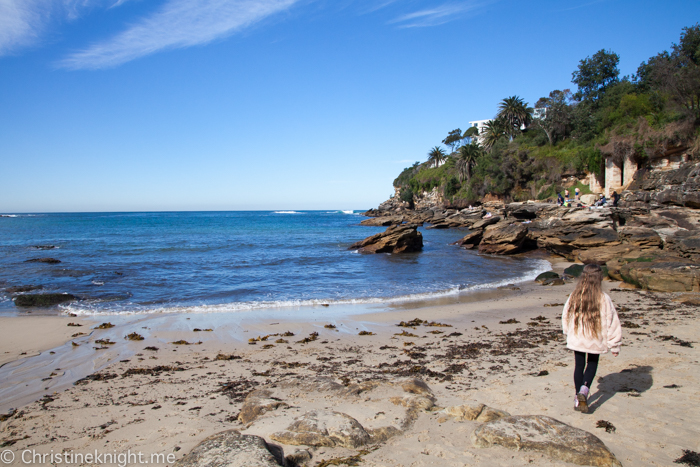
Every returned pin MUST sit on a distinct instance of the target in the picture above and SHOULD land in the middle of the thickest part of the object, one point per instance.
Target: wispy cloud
(378, 6)
(436, 16)
(24, 22)
(21, 22)
(178, 23)
(118, 3)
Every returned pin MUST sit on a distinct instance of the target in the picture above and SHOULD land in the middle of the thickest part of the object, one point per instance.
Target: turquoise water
(229, 261)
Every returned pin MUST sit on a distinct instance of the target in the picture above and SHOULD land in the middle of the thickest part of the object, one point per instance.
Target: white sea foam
(287, 212)
(540, 266)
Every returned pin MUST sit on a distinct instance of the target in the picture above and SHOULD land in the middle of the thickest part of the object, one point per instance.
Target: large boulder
(565, 240)
(589, 199)
(403, 238)
(324, 428)
(615, 265)
(229, 449)
(503, 240)
(471, 240)
(546, 435)
(665, 274)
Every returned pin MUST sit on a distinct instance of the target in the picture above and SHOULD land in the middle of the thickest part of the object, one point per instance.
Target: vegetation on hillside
(524, 152)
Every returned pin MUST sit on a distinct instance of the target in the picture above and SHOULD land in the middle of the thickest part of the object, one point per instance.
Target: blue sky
(131, 105)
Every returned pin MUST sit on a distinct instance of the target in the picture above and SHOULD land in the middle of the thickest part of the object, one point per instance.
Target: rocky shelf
(651, 240)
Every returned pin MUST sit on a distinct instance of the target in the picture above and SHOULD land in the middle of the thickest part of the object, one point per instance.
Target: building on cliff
(479, 124)
(621, 165)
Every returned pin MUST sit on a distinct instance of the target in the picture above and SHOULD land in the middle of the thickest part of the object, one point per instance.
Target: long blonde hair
(585, 300)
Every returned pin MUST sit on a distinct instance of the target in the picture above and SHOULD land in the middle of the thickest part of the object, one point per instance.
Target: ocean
(160, 262)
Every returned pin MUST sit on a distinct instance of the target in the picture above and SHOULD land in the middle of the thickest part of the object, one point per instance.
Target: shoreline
(154, 411)
(34, 334)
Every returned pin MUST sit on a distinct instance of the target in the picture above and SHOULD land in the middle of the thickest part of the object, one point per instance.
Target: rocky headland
(651, 240)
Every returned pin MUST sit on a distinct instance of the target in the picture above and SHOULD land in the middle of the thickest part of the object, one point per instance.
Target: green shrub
(406, 195)
(451, 187)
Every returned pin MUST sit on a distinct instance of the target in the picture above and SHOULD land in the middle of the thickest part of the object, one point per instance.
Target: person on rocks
(592, 327)
(615, 198)
(577, 194)
(560, 199)
(566, 194)
(601, 201)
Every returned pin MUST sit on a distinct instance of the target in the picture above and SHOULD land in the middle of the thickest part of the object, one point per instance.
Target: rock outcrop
(679, 187)
(648, 240)
(396, 239)
(503, 239)
(663, 274)
(230, 449)
(545, 435)
(43, 299)
(43, 260)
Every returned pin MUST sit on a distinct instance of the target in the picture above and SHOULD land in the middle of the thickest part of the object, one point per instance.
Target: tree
(436, 156)
(553, 115)
(676, 74)
(595, 74)
(453, 138)
(407, 196)
(470, 133)
(515, 113)
(468, 155)
(493, 131)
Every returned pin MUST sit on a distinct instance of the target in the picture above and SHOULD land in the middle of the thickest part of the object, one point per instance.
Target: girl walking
(592, 327)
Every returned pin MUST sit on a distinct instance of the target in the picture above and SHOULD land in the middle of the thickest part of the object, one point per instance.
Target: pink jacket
(610, 335)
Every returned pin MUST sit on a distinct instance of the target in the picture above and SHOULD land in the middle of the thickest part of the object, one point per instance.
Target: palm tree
(437, 156)
(516, 113)
(493, 131)
(468, 154)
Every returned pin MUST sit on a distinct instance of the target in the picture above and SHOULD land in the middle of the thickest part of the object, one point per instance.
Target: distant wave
(9, 215)
(94, 309)
(287, 212)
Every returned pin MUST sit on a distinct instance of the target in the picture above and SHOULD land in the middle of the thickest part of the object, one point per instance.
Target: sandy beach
(503, 348)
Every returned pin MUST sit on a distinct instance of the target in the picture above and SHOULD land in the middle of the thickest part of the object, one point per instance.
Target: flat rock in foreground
(324, 428)
(396, 239)
(548, 436)
(229, 449)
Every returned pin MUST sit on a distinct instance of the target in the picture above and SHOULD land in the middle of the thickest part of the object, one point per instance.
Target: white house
(479, 124)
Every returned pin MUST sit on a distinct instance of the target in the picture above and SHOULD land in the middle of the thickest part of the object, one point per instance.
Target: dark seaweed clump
(689, 457)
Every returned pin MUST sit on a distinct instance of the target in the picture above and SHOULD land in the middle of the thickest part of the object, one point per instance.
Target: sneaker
(582, 403)
(576, 406)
